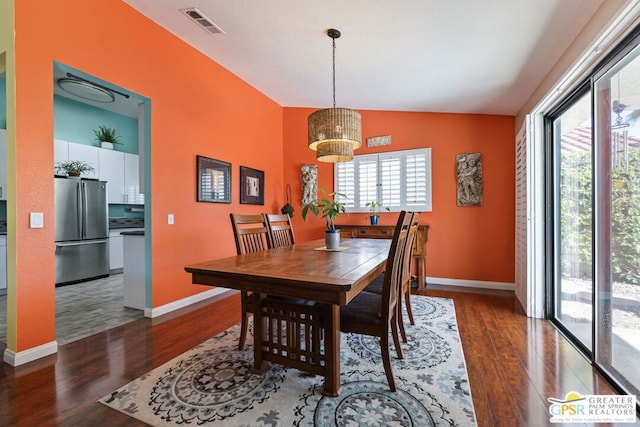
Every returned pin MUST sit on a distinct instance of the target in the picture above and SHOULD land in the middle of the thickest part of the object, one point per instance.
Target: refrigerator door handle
(83, 218)
(79, 208)
(87, 242)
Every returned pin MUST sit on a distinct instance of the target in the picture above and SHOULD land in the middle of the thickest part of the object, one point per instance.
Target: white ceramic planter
(107, 145)
(332, 239)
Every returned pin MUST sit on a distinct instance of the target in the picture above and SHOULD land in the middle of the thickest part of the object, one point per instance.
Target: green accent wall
(74, 121)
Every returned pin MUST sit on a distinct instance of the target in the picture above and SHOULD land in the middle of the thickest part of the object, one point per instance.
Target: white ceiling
(472, 56)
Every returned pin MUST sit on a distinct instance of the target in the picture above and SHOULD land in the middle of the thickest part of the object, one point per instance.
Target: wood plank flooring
(514, 364)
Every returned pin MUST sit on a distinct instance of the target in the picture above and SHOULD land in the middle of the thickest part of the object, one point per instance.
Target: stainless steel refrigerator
(82, 230)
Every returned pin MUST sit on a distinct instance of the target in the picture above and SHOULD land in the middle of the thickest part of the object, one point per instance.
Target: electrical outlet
(170, 219)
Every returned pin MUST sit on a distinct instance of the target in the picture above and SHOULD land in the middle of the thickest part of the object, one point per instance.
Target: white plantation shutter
(390, 181)
(530, 217)
(367, 181)
(344, 182)
(418, 180)
(400, 180)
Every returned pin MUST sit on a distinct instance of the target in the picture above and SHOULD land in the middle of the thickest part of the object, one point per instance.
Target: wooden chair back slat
(395, 266)
(407, 256)
(281, 230)
(250, 232)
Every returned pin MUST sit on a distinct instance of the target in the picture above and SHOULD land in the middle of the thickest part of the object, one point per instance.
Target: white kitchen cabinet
(60, 152)
(134, 272)
(3, 264)
(132, 180)
(116, 252)
(88, 154)
(3, 164)
(112, 170)
(116, 248)
(120, 170)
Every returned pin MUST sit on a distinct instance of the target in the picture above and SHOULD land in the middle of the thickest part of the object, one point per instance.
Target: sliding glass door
(593, 170)
(617, 201)
(573, 159)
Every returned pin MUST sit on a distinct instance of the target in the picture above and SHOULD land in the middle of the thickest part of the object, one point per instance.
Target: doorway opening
(84, 106)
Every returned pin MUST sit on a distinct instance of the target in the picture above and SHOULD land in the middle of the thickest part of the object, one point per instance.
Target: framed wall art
(213, 180)
(251, 186)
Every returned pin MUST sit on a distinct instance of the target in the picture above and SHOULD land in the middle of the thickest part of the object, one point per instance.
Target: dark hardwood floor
(514, 364)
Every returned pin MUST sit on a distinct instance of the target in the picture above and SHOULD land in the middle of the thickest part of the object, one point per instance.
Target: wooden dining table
(303, 334)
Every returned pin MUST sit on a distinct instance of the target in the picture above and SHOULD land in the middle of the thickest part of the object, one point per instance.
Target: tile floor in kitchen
(84, 309)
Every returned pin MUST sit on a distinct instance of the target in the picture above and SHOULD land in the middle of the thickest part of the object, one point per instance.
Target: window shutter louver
(399, 180)
(367, 181)
(344, 176)
(416, 174)
(391, 181)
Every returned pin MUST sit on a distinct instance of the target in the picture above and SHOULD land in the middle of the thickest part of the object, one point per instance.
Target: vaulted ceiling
(472, 56)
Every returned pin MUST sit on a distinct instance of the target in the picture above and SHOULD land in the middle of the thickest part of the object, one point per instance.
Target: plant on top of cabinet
(106, 136)
(73, 167)
(374, 208)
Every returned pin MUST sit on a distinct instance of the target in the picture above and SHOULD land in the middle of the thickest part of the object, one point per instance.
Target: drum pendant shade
(334, 132)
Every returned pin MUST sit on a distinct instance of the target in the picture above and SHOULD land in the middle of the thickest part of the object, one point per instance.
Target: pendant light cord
(334, 34)
(334, 72)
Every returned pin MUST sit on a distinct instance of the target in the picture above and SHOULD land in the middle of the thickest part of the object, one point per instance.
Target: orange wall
(197, 108)
(470, 243)
(200, 108)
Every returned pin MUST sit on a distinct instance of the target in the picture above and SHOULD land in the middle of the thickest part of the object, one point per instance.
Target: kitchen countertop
(133, 233)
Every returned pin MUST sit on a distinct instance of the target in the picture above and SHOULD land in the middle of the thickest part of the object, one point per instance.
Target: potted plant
(73, 168)
(374, 208)
(328, 208)
(106, 136)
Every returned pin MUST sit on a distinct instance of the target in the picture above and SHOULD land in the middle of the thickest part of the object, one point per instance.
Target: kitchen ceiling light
(86, 90)
(333, 133)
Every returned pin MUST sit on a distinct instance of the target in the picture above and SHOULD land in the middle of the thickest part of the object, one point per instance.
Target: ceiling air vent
(202, 21)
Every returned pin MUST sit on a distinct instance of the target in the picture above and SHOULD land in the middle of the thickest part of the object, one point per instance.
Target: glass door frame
(611, 62)
(552, 244)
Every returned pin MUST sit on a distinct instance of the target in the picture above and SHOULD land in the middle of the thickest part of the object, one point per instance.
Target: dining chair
(280, 230)
(251, 234)
(405, 281)
(376, 314)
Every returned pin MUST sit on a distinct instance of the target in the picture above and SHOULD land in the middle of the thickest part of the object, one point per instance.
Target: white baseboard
(182, 303)
(470, 283)
(22, 357)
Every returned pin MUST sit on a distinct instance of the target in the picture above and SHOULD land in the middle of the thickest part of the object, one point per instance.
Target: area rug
(212, 384)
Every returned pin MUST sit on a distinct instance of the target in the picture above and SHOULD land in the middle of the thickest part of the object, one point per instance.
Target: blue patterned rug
(212, 384)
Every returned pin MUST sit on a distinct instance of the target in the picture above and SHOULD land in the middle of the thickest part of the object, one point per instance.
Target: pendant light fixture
(334, 132)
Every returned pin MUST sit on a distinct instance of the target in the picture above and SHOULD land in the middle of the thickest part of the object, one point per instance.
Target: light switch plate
(170, 219)
(36, 220)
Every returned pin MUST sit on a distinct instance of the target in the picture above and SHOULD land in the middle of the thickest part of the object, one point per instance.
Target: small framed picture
(213, 180)
(251, 186)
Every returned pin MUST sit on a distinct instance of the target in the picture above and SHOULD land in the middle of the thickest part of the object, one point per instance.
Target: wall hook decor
(288, 209)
